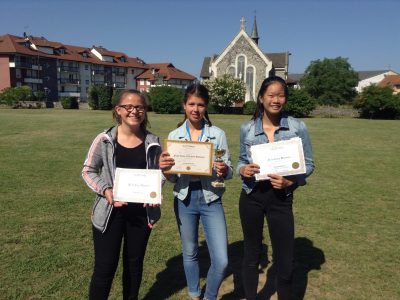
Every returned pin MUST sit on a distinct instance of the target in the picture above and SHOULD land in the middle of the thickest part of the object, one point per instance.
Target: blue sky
(367, 32)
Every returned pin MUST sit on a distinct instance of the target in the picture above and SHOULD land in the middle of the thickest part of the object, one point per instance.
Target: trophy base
(218, 184)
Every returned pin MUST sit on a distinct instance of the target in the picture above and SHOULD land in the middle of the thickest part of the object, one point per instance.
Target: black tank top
(131, 158)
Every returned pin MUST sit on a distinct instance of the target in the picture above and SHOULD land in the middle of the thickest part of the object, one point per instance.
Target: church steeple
(254, 34)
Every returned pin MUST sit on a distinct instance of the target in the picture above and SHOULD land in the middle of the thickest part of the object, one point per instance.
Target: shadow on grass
(306, 258)
(172, 279)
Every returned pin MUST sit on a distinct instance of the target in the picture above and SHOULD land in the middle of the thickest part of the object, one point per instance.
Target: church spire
(254, 34)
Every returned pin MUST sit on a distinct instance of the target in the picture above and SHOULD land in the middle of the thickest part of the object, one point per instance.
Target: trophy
(219, 182)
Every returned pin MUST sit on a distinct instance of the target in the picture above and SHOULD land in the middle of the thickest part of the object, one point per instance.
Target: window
(250, 79)
(87, 81)
(240, 67)
(86, 67)
(141, 82)
(62, 51)
(231, 71)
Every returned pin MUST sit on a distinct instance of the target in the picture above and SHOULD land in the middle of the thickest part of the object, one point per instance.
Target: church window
(231, 71)
(240, 67)
(250, 78)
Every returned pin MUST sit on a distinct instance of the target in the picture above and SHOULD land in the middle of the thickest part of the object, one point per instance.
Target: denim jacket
(213, 135)
(252, 133)
(99, 171)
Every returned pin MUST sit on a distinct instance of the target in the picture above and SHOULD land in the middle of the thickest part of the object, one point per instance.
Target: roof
(166, 70)
(390, 80)
(278, 61)
(12, 44)
(294, 78)
(368, 74)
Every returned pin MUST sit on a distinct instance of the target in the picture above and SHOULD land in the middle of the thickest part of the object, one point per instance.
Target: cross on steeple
(242, 24)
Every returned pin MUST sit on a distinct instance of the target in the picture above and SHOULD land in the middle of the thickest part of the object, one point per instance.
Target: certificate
(194, 158)
(137, 185)
(282, 158)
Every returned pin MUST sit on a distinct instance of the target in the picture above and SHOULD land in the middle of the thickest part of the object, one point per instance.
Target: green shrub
(249, 107)
(299, 103)
(378, 103)
(12, 95)
(93, 99)
(105, 94)
(166, 99)
(115, 97)
(69, 102)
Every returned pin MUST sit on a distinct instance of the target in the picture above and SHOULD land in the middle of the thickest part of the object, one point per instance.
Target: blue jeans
(188, 213)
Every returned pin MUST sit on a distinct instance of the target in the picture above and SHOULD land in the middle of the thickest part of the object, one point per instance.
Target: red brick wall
(5, 80)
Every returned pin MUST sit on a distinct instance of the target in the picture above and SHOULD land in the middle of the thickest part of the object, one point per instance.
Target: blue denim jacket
(213, 135)
(252, 133)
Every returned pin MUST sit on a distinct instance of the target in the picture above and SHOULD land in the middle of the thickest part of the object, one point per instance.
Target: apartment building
(64, 70)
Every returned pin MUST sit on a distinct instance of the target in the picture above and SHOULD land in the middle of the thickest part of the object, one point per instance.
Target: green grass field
(347, 217)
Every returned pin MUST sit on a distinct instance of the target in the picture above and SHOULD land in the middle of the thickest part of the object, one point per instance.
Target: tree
(166, 99)
(299, 103)
(378, 103)
(226, 90)
(330, 81)
(105, 94)
(93, 97)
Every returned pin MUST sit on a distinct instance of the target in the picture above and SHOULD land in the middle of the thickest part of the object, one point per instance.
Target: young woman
(196, 199)
(126, 145)
(273, 198)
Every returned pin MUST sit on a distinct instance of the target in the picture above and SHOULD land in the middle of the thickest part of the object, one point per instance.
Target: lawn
(347, 217)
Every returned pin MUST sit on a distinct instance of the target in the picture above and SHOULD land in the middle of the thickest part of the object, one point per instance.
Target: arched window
(250, 80)
(240, 67)
(231, 70)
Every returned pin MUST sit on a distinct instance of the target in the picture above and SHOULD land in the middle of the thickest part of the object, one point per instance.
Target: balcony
(68, 69)
(98, 71)
(33, 80)
(119, 72)
(69, 94)
(119, 85)
(69, 81)
(98, 82)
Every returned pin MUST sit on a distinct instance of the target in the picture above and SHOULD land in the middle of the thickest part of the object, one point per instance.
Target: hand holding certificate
(282, 158)
(194, 158)
(137, 185)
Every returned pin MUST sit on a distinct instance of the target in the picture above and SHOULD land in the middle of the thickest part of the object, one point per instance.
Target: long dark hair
(198, 90)
(123, 94)
(258, 113)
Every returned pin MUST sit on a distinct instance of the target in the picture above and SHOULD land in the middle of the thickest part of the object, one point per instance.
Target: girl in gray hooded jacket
(127, 145)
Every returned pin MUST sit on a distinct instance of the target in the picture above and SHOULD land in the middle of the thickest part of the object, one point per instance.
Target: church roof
(278, 61)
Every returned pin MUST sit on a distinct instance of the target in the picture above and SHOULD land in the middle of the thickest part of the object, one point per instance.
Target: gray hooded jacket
(99, 171)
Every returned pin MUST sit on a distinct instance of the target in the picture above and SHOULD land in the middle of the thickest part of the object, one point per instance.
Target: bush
(299, 103)
(12, 95)
(378, 103)
(115, 97)
(69, 102)
(166, 99)
(93, 99)
(105, 94)
(249, 107)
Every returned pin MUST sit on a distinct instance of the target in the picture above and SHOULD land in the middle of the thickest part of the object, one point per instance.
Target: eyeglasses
(130, 107)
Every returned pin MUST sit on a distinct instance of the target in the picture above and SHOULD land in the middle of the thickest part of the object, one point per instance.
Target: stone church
(244, 59)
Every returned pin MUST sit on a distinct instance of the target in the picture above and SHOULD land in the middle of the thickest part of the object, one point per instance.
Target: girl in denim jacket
(271, 199)
(197, 199)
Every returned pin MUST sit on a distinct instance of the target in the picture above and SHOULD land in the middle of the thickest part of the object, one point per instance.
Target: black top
(131, 158)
